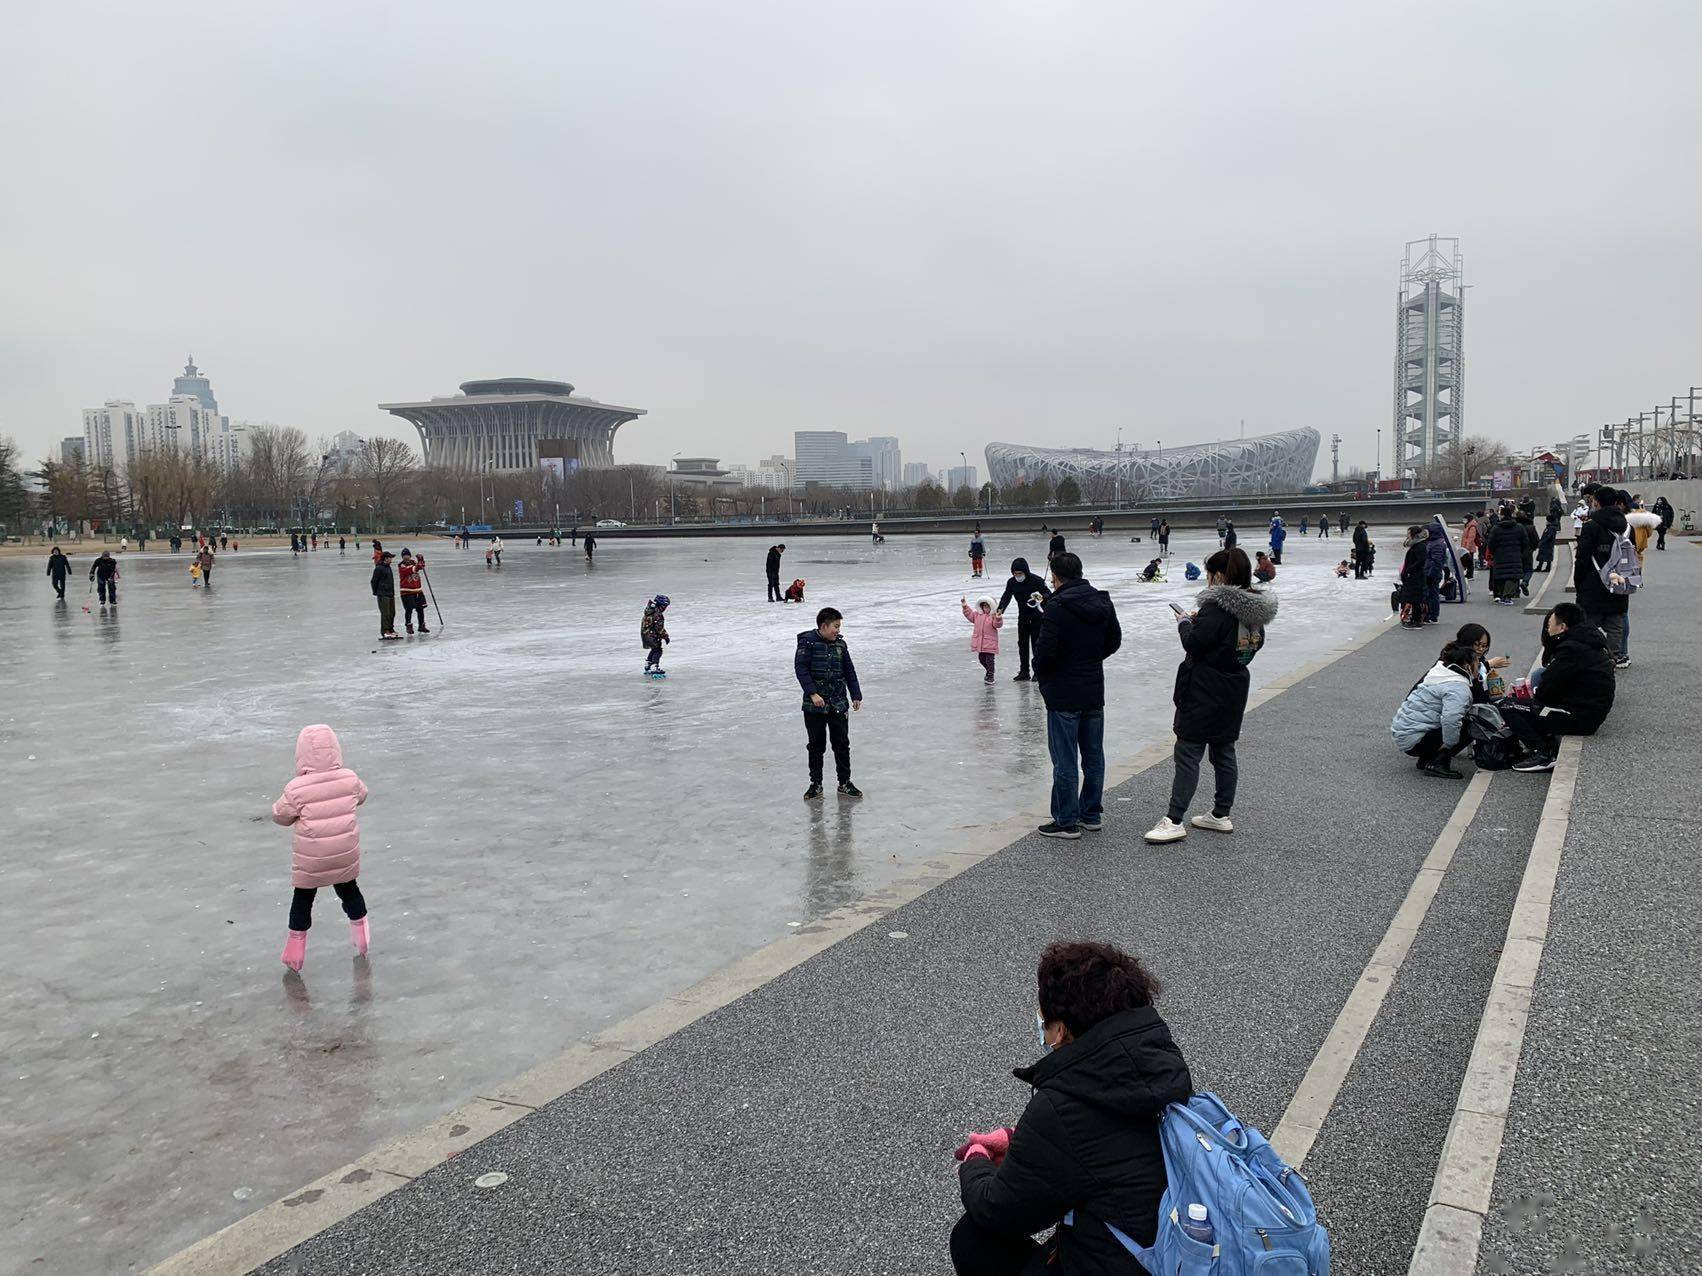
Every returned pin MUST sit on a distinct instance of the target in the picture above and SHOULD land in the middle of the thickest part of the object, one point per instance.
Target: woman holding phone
(1219, 640)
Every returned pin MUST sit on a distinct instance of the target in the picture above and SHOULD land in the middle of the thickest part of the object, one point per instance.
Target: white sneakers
(1168, 830)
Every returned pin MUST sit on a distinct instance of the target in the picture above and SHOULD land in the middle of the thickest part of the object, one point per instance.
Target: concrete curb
(262, 1236)
(1310, 1108)
(1460, 1194)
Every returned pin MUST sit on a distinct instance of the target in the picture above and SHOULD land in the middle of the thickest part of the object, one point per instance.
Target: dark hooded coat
(1088, 1142)
(1212, 680)
(1078, 630)
(1018, 591)
(1590, 555)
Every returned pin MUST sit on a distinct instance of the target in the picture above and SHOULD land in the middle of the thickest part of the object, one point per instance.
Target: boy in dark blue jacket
(823, 666)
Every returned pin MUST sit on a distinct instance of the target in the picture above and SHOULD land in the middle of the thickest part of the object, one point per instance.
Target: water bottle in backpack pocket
(1224, 1174)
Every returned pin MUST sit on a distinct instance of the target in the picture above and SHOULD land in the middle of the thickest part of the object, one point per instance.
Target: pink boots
(295, 950)
(360, 935)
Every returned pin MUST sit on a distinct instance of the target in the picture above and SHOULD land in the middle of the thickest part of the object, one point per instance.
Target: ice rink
(552, 841)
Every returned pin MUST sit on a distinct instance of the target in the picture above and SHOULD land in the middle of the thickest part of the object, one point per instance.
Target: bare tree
(386, 467)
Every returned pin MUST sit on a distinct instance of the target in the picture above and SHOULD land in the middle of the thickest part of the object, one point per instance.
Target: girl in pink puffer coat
(320, 803)
(984, 642)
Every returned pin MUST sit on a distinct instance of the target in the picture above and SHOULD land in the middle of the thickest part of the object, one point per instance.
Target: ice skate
(360, 935)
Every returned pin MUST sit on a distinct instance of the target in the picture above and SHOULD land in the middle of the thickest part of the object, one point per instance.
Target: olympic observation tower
(516, 423)
(1430, 353)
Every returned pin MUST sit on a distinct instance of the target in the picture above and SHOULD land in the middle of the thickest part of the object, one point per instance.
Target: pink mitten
(969, 1151)
(993, 1145)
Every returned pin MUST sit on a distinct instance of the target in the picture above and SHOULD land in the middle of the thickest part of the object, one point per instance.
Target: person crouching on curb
(1430, 723)
(320, 802)
(1088, 1140)
(822, 665)
(984, 642)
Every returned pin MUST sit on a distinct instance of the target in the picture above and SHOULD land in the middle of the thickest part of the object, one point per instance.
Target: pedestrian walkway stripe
(1452, 1232)
(1310, 1107)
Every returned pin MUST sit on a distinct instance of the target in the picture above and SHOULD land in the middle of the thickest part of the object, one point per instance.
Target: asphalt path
(808, 1125)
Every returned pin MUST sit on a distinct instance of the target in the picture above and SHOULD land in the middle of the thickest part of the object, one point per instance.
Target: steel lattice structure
(1430, 352)
(1231, 467)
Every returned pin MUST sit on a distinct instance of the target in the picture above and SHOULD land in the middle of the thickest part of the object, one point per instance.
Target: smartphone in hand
(1177, 610)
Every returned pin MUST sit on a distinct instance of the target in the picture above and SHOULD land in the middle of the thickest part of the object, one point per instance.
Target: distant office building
(885, 460)
(71, 449)
(824, 457)
(516, 423)
(229, 445)
(702, 471)
(774, 474)
(961, 476)
(915, 473)
(111, 434)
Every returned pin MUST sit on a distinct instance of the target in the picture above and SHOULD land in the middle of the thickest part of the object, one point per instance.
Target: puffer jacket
(1078, 631)
(1438, 702)
(1220, 640)
(1509, 553)
(1436, 552)
(320, 802)
(987, 623)
(1020, 591)
(653, 629)
(1595, 542)
(1087, 1142)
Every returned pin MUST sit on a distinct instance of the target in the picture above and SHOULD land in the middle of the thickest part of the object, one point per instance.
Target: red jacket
(408, 572)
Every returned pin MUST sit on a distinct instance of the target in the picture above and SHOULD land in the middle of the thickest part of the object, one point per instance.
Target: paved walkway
(806, 1126)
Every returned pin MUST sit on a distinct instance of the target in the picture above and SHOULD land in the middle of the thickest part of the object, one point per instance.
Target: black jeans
(1430, 749)
(301, 904)
(1187, 755)
(411, 603)
(821, 728)
(775, 594)
(58, 585)
(1536, 730)
(108, 590)
(976, 1251)
(655, 656)
(1025, 635)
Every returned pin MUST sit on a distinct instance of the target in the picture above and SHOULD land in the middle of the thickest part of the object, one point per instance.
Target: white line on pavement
(1311, 1105)
(1460, 1194)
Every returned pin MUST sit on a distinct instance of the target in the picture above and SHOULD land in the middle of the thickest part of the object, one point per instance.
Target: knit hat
(661, 600)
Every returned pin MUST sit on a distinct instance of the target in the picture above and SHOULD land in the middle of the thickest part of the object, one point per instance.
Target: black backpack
(1494, 747)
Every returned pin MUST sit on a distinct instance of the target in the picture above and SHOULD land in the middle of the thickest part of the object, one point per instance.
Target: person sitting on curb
(1430, 724)
(1087, 1144)
(1574, 694)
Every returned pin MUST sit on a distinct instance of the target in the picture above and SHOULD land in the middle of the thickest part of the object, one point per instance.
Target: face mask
(1040, 1031)
(1021, 576)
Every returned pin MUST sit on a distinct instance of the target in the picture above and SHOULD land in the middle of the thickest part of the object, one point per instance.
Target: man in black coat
(384, 590)
(1078, 631)
(1606, 609)
(772, 567)
(58, 567)
(1574, 694)
(1021, 588)
(1509, 556)
(105, 575)
(1361, 550)
(1055, 546)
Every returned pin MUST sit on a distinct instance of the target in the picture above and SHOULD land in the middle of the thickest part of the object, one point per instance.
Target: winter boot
(295, 950)
(360, 935)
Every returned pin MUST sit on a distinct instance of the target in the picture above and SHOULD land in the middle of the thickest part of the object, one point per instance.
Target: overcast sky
(953, 222)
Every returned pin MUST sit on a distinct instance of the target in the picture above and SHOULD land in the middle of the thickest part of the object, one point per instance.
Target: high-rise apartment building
(71, 449)
(183, 424)
(112, 433)
(916, 473)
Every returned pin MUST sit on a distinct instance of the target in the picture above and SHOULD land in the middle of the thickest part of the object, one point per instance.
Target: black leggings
(301, 904)
(977, 1251)
(1431, 749)
(412, 602)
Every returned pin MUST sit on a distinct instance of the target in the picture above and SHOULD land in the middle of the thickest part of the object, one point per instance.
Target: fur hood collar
(1250, 607)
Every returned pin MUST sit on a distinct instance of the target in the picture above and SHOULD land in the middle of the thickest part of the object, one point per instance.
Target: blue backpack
(1259, 1207)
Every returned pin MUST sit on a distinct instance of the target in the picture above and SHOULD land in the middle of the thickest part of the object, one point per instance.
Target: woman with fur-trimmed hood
(1220, 639)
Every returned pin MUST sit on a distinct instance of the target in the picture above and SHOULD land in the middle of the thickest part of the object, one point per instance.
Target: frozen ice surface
(553, 841)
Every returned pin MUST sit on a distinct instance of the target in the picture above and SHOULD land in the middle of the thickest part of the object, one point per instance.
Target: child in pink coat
(984, 642)
(320, 802)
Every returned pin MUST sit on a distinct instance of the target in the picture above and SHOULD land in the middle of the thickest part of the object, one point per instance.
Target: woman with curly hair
(1087, 1144)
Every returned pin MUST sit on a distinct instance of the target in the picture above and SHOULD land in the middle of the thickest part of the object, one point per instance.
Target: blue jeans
(1066, 734)
(1433, 595)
